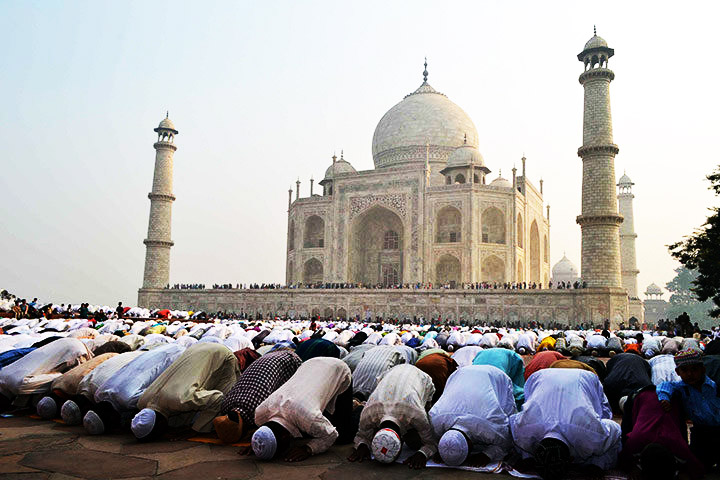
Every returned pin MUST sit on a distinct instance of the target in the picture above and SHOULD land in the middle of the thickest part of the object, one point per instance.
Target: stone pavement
(33, 449)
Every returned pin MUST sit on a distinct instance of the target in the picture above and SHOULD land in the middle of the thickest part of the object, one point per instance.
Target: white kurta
(126, 386)
(477, 400)
(569, 405)
(35, 372)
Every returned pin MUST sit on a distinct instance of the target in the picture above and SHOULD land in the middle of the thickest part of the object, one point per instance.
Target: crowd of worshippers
(539, 402)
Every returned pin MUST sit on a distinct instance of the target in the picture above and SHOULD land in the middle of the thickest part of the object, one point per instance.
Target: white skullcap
(453, 448)
(264, 443)
(143, 423)
(70, 413)
(621, 403)
(47, 408)
(386, 445)
(93, 424)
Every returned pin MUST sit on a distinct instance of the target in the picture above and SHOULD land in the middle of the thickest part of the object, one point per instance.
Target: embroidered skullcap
(47, 408)
(70, 413)
(453, 448)
(142, 424)
(264, 443)
(386, 445)
(93, 424)
(689, 356)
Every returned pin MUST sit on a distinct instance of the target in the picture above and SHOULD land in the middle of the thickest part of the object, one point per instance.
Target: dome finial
(334, 157)
(425, 72)
(167, 113)
(341, 155)
(594, 31)
(465, 139)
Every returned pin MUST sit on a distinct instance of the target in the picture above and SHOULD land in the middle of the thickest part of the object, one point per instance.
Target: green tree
(701, 252)
(683, 299)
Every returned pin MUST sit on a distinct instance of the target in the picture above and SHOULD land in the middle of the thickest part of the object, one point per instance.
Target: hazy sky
(264, 92)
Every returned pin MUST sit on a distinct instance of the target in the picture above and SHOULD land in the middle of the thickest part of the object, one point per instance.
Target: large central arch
(377, 243)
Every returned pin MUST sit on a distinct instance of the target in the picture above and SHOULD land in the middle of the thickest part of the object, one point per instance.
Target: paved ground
(36, 449)
(31, 448)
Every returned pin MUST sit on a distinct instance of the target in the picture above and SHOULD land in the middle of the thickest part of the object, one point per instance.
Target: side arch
(493, 270)
(448, 270)
(313, 271)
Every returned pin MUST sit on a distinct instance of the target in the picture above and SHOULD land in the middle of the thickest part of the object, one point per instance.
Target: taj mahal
(427, 213)
(432, 212)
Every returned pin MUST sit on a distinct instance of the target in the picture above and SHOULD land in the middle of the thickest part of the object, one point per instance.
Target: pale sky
(264, 92)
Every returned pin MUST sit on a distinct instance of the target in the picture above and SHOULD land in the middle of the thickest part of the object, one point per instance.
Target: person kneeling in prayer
(397, 411)
(471, 418)
(320, 385)
(566, 420)
(191, 390)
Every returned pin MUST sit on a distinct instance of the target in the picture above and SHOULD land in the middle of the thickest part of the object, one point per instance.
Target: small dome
(339, 167)
(166, 124)
(564, 268)
(465, 155)
(501, 182)
(653, 289)
(595, 42)
(625, 181)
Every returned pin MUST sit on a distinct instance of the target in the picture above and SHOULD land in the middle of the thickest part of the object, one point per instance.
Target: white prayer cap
(93, 424)
(143, 423)
(453, 448)
(70, 413)
(46, 408)
(386, 445)
(621, 403)
(264, 443)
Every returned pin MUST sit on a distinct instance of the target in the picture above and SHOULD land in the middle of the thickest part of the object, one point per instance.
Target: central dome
(421, 118)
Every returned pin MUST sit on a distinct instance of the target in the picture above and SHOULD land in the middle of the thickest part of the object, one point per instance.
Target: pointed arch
(520, 231)
(493, 270)
(520, 272)
(313, 271)
(534, 253)
(448, 225)
(448, 270)
(314, 232)
(493, 226)
(377, 244)
(291, 235)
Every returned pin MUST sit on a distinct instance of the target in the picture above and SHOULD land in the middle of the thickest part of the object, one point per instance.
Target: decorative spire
(465, 139)
(334, 157)
(341, 155)
(167, 113)
(425, 72)
(594, 31)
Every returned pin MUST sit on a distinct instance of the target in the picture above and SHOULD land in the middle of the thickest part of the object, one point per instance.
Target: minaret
(158, 243)
(599, 220)
(628, 262)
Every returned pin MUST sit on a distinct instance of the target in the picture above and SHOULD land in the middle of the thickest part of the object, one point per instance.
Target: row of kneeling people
(472, 407)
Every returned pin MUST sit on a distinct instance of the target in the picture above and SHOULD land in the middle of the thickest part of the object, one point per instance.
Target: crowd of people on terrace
(532, 401)
(406, 286)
